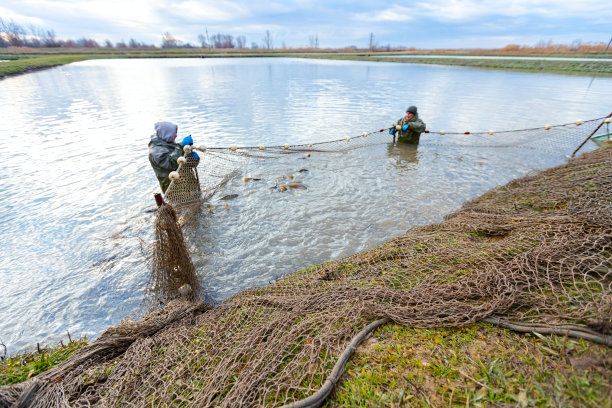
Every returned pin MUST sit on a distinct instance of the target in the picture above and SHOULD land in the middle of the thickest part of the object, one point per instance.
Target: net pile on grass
(536, 251)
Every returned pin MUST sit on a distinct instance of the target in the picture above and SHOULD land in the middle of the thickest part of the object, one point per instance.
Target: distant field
(22, 60)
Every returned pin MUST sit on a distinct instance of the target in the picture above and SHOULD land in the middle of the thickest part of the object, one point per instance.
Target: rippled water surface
(76, 196)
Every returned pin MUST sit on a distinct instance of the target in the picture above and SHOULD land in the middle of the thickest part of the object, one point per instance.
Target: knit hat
(412, 109)
(166, 130)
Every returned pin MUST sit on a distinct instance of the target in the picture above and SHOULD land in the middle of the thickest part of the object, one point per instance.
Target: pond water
(77, 196)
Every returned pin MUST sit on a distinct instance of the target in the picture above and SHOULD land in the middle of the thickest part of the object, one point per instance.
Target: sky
(336, 23)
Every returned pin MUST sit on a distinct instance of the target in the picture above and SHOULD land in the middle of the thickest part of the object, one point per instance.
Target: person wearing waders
(408, 129)
(164, 152)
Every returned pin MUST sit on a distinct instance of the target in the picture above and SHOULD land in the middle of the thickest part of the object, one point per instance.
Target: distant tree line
(13, 34)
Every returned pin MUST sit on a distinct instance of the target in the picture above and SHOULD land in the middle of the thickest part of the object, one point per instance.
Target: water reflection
(403, 156)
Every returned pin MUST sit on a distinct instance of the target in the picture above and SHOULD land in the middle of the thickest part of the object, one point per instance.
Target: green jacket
(413, 134)
(163, 157)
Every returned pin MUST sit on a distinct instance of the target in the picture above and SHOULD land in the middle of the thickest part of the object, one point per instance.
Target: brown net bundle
(535, 253)
(172, 272)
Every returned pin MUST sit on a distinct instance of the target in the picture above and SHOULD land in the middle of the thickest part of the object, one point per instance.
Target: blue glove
(405, 127)
(392, 131)
(195, 155)
(187, 141)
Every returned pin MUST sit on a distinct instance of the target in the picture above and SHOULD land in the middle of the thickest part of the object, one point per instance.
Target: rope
(542, 328)
(318, 398)
(592, 133)
(309, 146)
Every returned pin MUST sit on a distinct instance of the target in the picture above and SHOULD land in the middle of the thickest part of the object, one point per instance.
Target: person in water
(164, 152)
(408, 128)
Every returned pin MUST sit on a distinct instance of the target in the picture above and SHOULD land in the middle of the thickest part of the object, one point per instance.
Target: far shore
(19, 60)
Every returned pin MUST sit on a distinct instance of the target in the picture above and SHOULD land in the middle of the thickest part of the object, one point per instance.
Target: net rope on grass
(537, 251)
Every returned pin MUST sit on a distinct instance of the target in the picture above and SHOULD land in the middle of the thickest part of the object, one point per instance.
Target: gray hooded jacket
(163, 153)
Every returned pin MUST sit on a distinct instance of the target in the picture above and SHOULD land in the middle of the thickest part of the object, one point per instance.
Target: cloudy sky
(336, 23)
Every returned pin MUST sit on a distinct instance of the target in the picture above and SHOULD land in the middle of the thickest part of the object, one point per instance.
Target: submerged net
(537, 251)
(218, 165)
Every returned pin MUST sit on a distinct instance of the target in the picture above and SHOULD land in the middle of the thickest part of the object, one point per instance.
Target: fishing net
(535, 252)
(218, 165)
(172, 272)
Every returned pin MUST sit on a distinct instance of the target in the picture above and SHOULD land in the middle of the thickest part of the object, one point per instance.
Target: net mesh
(218, 165)
(172, 272)
(537, 250)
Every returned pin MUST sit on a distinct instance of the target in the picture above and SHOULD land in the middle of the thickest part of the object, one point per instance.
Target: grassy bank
(278, 343)
(479, 365)
(589, 68)
(22, 64)
(22, 60)
(20, 367)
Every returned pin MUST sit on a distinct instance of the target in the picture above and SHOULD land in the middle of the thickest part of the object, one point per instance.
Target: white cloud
(23, 19)
(392, 14)
(206, 12)
(470, 10)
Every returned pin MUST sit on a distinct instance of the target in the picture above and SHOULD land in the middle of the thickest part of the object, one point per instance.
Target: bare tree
(241, 41)
(13, 33)
(35, 38)
(68, 44)
(223, 40)
(3, 42)
(168, 41)
(49, 39)
(87, 43)
(108, 44)
(267, 40)
(575, 45)
(202, 40)
(373, 45)
(254, 45)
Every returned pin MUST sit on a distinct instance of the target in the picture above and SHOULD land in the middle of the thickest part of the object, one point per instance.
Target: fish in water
(297, 185)
(251, 178)
(229, 197)
(303, 171)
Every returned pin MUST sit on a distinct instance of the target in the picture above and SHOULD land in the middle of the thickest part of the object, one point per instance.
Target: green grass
(26, 365)
(591, 68)
(479, 365)
(27, 63)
